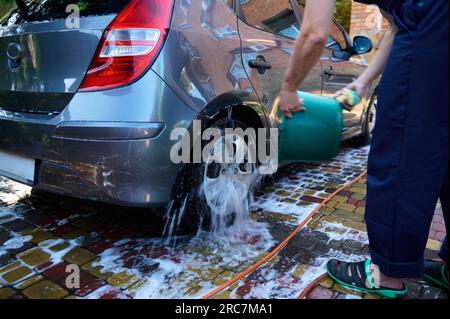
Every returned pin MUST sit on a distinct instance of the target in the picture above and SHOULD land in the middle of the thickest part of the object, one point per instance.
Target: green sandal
(360, 275)
(436, 273)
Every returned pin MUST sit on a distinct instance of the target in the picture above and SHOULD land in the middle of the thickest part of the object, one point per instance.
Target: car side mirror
(362, 44)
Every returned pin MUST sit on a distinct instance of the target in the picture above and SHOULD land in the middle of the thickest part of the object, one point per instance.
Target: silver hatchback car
(90, 93)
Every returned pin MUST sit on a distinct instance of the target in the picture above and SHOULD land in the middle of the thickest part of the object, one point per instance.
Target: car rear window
(23, 11)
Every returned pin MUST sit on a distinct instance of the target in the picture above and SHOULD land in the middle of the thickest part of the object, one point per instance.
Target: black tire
(186, 192)
(366, 137)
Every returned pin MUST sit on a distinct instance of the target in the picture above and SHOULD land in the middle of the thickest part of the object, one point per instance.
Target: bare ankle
(391, 282)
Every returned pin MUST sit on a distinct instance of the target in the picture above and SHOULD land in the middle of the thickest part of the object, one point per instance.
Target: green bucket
(315, 134)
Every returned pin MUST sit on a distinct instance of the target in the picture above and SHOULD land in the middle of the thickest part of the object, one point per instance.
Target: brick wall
(368, 21)
(255, 14)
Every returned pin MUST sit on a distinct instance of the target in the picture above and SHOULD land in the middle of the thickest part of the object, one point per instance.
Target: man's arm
(308, 49)
(376, 66)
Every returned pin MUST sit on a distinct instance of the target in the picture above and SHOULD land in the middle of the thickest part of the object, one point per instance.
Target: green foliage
(343, 13)
(5, 6)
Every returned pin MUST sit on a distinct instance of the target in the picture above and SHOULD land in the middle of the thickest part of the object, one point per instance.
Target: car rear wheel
(204, 193)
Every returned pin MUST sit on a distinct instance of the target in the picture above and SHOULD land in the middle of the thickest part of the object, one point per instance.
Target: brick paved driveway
(121, 254)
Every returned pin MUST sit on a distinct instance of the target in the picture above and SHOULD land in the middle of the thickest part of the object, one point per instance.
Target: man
(408, 161)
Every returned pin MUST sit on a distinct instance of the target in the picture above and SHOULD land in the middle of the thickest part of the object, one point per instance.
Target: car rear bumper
(123, 160)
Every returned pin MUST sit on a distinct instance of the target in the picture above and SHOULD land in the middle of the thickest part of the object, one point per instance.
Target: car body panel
(124, 171)
(43, 80)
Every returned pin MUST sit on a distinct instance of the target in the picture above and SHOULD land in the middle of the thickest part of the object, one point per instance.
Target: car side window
(275, 16)
(336, 37)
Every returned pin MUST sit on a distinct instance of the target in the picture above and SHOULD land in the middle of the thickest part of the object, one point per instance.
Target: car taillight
(130, 45)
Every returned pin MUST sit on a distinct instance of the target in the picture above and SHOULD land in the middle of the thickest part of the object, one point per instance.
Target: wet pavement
(121, 254)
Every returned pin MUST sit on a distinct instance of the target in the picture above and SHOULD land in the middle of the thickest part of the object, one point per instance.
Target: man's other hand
(290, 102)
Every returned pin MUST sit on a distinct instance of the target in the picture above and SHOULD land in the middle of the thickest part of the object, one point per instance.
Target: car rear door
(46, 48)
(268, 29)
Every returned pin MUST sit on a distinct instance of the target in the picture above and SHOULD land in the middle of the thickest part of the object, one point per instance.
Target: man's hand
(359, 87)
(290, 102)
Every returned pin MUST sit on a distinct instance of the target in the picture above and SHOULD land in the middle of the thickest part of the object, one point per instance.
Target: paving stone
(433, 244)
(283, 193)
(358, 196)
(335, 244)
(301, 270)
(17, 225)
(320, 292)
(245, 289)
(4, 236)
(288, 200)
(331, 203)
(327, 210)
(346, 291)
(352, 246)
(280, 216)
(6, 217)
(25, 246)
(348, 215)
(87, 284)
(28, 282)
(332, 219)
(34, 257)
(223, 278)
(355, 225)
(193, 287)
(361, 203)
(358, 190)
(307, 257)
(90, 287)
(57, 272)
(414, 290)
(10, 266)
(6, 293)
(312, 199)
(74, 234)
(63, 230)
(226, 295)
(84, 223)
(5, 259)
(17, 274)
(339, 199)
(371, 296)
(323, 249)
(327, 282)
(101, 273)
(304, 204)
(289, 251)
(346, 207)
(305, 242)
(123, 279)
(45, 289)
(78, 256)
(315, 224)
(89, 239)
(111, 292)
(38, 235)
(430, 292)
(344, 193)
(59, 247)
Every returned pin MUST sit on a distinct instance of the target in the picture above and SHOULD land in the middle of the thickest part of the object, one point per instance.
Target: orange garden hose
(311, 286)
(281, 245)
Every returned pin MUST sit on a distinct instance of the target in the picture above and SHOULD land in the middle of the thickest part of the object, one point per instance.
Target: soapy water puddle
(148, 265)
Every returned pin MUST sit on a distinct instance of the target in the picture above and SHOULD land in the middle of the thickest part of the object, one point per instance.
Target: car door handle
(329, 72)
(260, 64)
